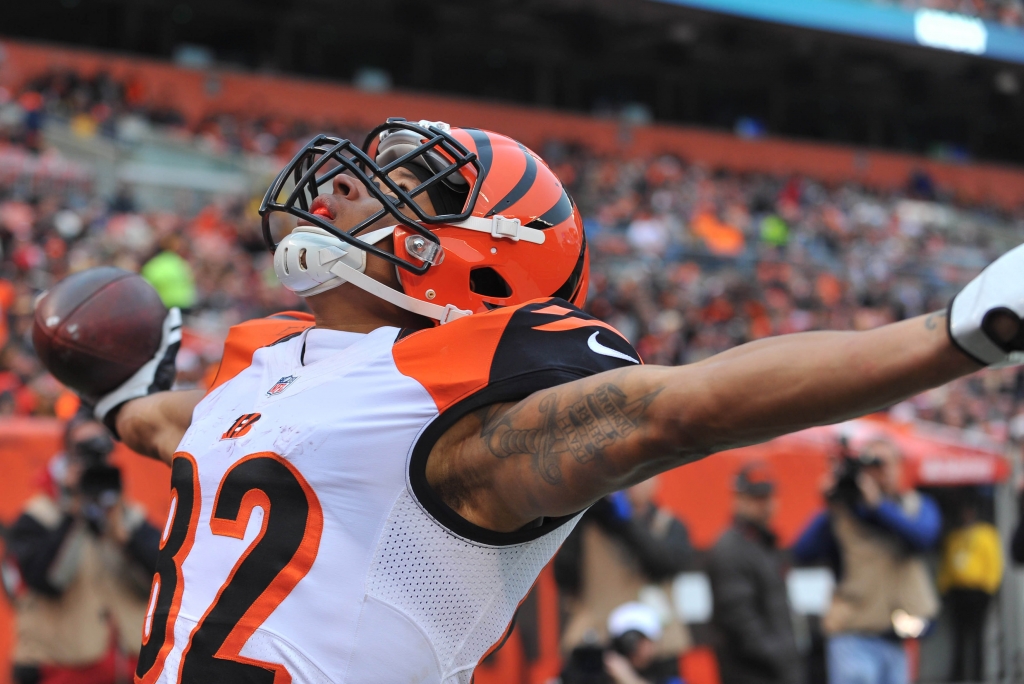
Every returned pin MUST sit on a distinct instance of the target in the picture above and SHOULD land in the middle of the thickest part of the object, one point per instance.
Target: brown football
(95, 329)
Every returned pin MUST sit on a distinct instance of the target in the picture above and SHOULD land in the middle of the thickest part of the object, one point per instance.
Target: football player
(366, 494)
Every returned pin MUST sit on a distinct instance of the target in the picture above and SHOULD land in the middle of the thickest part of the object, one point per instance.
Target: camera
(94, 450)
(100, 483)
(846, 490)
(586, 664)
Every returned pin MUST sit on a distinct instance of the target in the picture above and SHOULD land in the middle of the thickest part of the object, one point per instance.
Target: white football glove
(157, 375)
(985, 318)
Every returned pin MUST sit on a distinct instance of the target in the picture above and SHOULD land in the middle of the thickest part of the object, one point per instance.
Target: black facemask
(324, 157)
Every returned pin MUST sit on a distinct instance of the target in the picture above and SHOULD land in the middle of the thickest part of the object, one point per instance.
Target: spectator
(171, 275)
(874, 533)
(1017, 545)
(78, 569)
(634, 629)
(624, 547)
(969, 575)
(754, 638)
(632, 658)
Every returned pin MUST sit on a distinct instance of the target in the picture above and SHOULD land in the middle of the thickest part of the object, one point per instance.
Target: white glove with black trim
(157, 375)
(985, 318)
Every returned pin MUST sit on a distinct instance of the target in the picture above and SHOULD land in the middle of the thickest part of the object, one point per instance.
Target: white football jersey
(303, 542)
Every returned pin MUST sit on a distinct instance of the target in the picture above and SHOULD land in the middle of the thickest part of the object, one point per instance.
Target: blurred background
(744, 168)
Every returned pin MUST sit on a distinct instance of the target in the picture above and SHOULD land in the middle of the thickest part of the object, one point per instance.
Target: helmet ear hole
(487, 282)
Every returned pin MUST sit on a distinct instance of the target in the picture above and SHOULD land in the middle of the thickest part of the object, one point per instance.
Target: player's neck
(349, 309)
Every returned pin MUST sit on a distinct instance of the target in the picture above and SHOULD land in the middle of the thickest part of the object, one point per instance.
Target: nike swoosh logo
(599, 348)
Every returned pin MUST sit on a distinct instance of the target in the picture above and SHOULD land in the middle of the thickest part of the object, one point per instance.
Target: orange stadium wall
(199, 92)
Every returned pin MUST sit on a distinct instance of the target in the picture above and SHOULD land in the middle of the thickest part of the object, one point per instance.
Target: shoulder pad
(245, 338)
(511, 352)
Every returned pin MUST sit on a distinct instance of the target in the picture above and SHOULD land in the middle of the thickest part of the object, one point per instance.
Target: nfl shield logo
(281, 385)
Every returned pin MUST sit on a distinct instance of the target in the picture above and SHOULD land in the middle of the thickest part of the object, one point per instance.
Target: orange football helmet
(504, 229)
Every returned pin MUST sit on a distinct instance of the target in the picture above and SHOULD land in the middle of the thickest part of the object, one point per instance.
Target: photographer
(873, 534)
(625, 546)
(632, 657)
(78, 569)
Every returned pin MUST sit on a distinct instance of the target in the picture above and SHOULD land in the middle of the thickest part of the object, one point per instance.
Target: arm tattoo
(935, 319)
(583, 428)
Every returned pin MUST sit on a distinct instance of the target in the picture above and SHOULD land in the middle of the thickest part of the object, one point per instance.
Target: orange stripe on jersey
(457, 360)
(573, 324)
(554, 310)
(245, 338)
(453, 361)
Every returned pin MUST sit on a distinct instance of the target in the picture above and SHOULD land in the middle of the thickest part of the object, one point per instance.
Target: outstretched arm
(154, 425)
(559, 450)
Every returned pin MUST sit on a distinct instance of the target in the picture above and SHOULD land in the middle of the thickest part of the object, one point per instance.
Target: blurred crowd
(127, 111)
(687, 261)
(1006, 12)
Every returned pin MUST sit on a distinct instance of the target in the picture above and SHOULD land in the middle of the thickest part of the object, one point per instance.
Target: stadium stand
(692, 255)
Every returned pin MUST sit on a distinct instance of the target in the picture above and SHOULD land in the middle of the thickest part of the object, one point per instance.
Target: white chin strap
(310, 261)
(444, 314)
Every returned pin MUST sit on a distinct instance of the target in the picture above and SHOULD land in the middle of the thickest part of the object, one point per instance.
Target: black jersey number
(276, 560)
(176, 542)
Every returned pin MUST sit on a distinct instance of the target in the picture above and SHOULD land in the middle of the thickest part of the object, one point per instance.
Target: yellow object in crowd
(972, 558)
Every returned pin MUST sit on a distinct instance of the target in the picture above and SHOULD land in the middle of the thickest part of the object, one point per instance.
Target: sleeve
(735, 594)
(661, 557)
(816, 542)
(245, 338)
(568, 562)
(501, 356)
(920, 530)
(36, 548)
(144, 545)
(993, 548)
(661, 554)
(1017, 544)
(944, 575)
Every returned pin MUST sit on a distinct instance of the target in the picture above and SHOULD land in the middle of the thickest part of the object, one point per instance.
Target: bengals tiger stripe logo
(241, 426)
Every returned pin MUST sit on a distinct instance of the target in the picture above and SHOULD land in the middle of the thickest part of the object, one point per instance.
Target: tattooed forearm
(582, 428)
(935, 320)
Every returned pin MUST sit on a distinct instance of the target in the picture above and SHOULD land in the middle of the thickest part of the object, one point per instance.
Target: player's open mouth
(322, 207)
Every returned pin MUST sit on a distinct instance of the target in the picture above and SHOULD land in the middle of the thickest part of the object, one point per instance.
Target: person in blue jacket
(873, 533)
